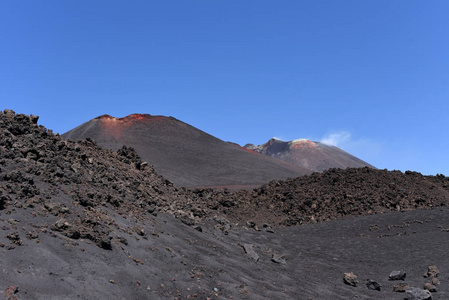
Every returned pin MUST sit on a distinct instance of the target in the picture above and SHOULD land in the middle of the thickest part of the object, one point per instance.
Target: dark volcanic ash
(79, 221)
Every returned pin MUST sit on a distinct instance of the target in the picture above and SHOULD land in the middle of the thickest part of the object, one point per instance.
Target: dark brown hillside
(76, 182)
(337, 194)
(311, 155)
(183, 154)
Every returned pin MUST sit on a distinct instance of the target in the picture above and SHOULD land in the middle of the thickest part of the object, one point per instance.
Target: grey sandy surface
(170, 260)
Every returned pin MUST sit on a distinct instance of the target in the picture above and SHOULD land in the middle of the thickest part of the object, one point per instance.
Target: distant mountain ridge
(184, 154)
(308, 154)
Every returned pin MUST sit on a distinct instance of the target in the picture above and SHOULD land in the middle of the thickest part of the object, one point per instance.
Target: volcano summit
(311, 155)
(184, 154)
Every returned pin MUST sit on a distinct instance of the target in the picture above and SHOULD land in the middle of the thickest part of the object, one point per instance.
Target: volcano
(310, 155)
(184, 154)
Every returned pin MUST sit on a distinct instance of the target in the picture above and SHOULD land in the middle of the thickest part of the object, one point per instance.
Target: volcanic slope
(79, 221)
(183, 154)
(311, 155)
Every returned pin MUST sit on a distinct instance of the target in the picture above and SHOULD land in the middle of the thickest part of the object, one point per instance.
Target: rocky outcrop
(78, 182)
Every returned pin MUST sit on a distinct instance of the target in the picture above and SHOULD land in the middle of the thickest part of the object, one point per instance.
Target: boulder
(10, 291)
(430, 287)
(401, 287)
(432, 271)
(279, 259)
(373, 285)
(9, 113)
(350, 279)
(34, 119)
(435, 281)
(414, 293)
(249, 250)
(397, 275)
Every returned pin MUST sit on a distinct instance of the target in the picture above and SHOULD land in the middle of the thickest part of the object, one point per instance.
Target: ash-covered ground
(81, 222)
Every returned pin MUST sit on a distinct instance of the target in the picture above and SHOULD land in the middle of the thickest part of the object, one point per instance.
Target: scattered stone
(251, 224)
(3, 200)
(279, 259)
(9, 112)
(61, 225)
(187, 220)
(268, 228)
(435, 281)
(350, 279)
(34, 119)
(432, 271)
(15, 238)
(32, 235)
(401, 287)
(10, 291)
(123, 240)
(430, 287)
(66, 229)
(249, 250)
(397, 275)
(105, 243)
(139, 230)
(373, 285)
(414, 293)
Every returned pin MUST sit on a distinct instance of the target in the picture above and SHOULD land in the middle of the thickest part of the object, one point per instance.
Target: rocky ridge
(337, 194)
(78, 186)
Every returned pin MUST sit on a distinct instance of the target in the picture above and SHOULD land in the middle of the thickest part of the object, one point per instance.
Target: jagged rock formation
(311, 155)
(77, 182)
(336, 194)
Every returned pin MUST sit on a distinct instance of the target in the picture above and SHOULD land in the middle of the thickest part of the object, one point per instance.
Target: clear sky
(371, 77)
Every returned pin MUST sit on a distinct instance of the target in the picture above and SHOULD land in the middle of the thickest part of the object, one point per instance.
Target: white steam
(337, 138)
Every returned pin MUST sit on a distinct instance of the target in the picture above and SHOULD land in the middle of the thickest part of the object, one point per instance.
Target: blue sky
(371, 77)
